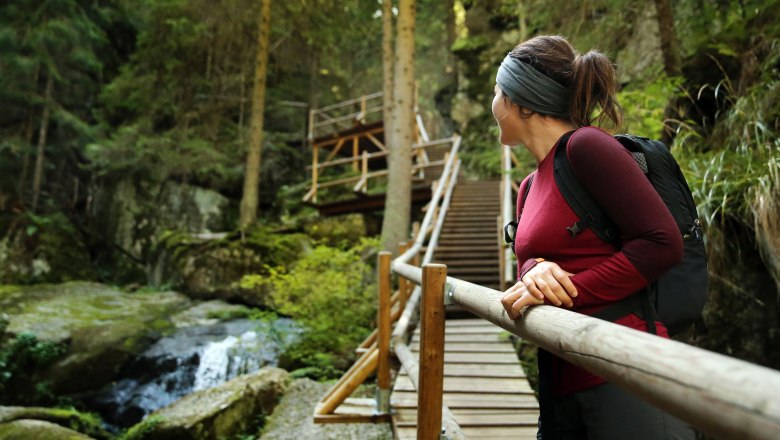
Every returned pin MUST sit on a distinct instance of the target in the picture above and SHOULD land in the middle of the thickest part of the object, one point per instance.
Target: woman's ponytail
(594, 84)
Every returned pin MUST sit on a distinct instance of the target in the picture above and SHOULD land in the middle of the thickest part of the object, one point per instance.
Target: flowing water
(192, 359)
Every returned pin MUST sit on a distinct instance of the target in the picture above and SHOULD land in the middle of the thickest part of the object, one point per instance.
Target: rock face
(134, 215)
(218, 412)
(292, 419)
(37, 430)
(101, 327)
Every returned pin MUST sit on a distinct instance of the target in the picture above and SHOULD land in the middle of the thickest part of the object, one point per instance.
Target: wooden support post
(383, 332)
(362, 109)
(415, 230)
(501, 255)
(403, 283)
(355, 153)
(311, 127)
(429, 393)
(364, 171)
(314, 171)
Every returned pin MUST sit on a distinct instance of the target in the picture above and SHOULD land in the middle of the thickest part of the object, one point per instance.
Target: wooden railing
(401, 306)
(353, 124)
(360, 182)
(720, 396)
(344, 115)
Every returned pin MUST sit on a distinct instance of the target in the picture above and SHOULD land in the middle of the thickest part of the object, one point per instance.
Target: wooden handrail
(376, 155)
(721, 396)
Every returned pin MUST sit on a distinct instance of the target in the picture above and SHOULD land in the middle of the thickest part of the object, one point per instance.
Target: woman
(546, 92)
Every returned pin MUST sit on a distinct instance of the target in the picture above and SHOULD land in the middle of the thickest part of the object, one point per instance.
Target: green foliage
(20, 359)
(330, 292)
(341, 231)
(643, 107)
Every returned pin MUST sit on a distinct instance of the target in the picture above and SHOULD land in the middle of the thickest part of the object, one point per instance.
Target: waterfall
(223, 360)
(192, 359)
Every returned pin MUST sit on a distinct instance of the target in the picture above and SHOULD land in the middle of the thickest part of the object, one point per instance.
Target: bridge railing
(362, 173)
(402, 306)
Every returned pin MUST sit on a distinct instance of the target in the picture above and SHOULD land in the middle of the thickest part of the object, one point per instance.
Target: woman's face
(506, 115)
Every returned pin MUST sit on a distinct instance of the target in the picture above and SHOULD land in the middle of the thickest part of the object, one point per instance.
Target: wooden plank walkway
(484, 385)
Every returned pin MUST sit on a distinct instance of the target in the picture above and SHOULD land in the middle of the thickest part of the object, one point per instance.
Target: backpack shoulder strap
(590, 213)
(525, 195)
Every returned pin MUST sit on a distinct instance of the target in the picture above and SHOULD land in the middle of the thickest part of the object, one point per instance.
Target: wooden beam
(376, 142)
(351, 380)
(335, 150)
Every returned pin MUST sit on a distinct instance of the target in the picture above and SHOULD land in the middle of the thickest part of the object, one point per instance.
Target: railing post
(355, 153)
(501, 255)
(383, 333)
(403, 283)
(315, 170)
(364, 171)
(431, 386)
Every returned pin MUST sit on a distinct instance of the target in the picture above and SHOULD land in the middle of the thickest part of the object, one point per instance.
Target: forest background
(118, 118)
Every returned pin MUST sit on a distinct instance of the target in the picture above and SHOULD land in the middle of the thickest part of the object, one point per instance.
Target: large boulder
(38, 430)
(100, 327)
(132, 215)
(85, 424)
(219, 412)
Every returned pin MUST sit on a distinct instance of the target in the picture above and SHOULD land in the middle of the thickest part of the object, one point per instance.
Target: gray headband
(530, 89)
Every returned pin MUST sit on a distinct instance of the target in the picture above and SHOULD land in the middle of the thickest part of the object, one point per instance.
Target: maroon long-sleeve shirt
(651, 242)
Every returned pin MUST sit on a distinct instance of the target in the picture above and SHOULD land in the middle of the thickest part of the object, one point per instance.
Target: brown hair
(590, 77)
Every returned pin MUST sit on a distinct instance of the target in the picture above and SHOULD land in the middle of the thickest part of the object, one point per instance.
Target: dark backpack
(676, 298)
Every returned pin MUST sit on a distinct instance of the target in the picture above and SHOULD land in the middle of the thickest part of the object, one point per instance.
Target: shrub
(330, 292)
(20, 358)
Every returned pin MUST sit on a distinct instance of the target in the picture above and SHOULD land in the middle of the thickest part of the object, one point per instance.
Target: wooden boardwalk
(484, 385)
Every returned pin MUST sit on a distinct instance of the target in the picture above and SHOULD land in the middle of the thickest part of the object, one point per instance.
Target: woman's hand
(547, 279)
(517, 298)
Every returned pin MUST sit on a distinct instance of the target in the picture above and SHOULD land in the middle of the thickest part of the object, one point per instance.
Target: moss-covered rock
(212, 268)
(38, 430)
(101, 327)
(86, 424)
(220, 412)
(208, 313)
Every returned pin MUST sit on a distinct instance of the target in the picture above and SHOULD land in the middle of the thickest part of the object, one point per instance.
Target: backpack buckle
(510, 232)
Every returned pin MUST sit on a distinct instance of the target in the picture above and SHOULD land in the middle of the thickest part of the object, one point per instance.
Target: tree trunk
(252, 174)
(395, 227)
(387, 70)
(663, 9)
(38, 173)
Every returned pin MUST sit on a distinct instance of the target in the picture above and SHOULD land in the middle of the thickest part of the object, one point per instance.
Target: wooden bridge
(473, 386)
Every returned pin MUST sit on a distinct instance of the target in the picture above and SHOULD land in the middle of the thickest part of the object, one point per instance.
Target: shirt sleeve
(651, 243)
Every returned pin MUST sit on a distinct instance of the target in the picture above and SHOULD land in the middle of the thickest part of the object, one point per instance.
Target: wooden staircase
(468, 244)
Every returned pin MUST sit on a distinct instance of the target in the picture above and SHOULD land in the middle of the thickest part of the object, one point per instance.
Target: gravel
(292, 419)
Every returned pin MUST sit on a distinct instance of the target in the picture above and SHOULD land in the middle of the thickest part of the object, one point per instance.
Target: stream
(191, 359)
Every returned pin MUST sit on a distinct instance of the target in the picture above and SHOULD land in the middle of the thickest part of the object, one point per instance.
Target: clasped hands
(545, 280)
